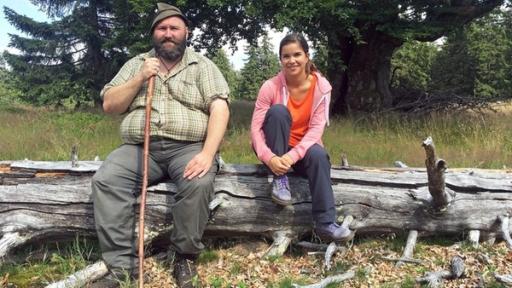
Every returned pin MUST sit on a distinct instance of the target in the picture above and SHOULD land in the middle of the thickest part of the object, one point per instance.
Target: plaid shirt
(181, 99)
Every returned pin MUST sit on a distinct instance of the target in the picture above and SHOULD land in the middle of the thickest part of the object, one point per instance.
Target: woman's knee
(278, 111)
(317, 154)
(317, 151)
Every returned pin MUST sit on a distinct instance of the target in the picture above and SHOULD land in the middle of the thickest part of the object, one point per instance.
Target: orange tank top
(301, 113)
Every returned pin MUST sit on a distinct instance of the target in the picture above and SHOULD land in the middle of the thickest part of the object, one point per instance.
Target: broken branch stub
(436, 177)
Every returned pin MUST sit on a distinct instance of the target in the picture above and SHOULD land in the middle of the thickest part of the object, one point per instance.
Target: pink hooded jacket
(274, 91)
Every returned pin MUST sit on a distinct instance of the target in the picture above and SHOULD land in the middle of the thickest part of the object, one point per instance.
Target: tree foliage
(262, 63)
(361, 37)
(70, 58)
(470, 68)
(220, 59)
(412, 64)
(91, 38)
(8, 92)
(476, 60)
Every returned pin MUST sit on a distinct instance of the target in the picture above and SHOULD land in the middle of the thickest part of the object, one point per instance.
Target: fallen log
(54, 201)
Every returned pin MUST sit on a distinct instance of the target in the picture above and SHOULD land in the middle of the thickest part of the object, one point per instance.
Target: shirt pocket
(186, 93)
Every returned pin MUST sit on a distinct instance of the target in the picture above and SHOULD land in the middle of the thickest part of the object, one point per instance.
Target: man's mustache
(168, 40)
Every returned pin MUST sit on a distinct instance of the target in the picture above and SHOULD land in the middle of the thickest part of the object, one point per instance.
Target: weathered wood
(329, 252)
(505, 279)
(435, 279)
(504, 219)
(329, 280)
(282, 240)
(436, 177)
(400, 164)
(474, 238)
(10, 241)
(403, 260)
(344, 160)
(56, 202)
(89, 274)
(409, 249)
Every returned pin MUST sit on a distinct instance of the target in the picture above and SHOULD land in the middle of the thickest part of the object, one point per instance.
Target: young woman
(286, 130)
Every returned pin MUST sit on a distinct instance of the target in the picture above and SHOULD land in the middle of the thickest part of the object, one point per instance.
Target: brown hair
(298, 38)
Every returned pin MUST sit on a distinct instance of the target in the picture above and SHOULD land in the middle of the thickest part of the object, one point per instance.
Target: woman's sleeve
(263, 103)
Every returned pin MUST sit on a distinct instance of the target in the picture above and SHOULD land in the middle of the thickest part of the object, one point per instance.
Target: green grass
(208, 256)
(463, 140)
(51, 262)
(41, 134)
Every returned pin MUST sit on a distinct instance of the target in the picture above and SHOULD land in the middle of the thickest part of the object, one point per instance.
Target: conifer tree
(232, 77)
(71, 58)
(262, 63)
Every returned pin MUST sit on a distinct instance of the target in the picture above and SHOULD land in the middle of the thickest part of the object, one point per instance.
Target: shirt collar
(189, 57)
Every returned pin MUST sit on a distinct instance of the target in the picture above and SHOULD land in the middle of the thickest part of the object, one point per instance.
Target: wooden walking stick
(147, 130)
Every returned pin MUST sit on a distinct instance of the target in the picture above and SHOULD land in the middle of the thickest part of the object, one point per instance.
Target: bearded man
(188, 121)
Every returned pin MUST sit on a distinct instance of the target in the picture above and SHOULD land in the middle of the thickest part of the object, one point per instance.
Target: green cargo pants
(117, 184)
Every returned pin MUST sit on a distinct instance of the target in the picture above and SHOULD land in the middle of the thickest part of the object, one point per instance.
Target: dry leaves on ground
(241, 263)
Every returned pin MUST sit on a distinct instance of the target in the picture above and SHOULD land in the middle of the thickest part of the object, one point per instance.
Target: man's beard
(170, 54)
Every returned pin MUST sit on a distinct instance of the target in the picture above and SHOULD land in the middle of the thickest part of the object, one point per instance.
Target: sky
(22, 7)
(25, 7)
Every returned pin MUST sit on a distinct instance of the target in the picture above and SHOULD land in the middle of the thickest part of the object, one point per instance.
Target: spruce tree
(221, 60)
(72, 57)
(262, 64)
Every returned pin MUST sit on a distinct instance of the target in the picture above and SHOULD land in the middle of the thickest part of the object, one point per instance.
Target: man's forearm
(117, 99)
(217, 125)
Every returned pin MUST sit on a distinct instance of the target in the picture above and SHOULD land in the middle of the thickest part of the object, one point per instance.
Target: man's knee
(204, 183)
(103, 181)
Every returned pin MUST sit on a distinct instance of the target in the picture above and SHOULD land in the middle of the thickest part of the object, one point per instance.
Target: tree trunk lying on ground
(41, 200)
(52, 200)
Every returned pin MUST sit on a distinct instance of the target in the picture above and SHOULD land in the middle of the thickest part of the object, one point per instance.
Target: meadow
(482, 140)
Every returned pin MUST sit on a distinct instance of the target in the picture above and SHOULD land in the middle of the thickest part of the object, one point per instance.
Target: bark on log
(53, 200)
(505, 230)
(474, 238)
(435, 279)
(90, 274)
(505, 279)
(436, 179)
(409, 248)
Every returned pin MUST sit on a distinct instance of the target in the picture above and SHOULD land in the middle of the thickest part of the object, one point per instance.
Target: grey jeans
(118, 183)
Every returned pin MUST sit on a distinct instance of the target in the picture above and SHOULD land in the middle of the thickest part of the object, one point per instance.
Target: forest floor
(241, 263)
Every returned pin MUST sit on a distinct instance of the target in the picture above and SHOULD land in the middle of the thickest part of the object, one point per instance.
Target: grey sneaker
(333, 232)
(281, 191)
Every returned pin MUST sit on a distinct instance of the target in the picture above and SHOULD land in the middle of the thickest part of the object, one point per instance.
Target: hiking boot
(281, 191)
(333, 232)
(185, 272)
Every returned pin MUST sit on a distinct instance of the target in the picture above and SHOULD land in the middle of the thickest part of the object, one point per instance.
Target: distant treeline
(377, 55)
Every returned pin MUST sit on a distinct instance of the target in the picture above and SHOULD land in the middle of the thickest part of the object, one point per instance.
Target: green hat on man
(165, 10)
